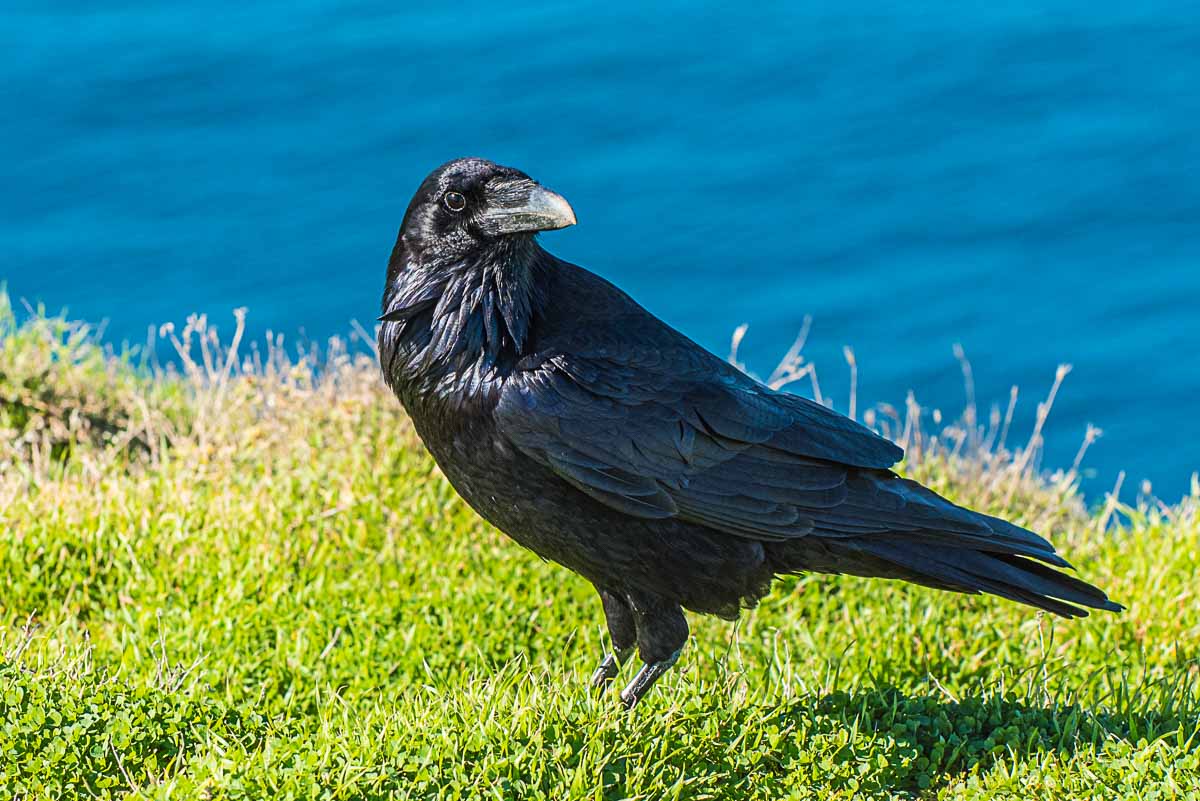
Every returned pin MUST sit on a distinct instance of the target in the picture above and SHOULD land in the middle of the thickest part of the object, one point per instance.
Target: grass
(243, 578)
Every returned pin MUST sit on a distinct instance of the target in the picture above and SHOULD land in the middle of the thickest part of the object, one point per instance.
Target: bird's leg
(662, 631)
(609, 667)
(645, 678)
(623, 631)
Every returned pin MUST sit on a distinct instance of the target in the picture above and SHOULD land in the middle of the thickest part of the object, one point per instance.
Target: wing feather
(719, 451)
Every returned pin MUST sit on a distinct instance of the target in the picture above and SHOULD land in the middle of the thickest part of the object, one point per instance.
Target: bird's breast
(496, 479)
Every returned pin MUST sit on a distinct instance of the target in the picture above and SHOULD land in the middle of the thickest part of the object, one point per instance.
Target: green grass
(245, 579)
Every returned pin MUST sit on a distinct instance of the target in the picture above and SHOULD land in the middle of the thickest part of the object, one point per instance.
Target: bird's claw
(644, 680)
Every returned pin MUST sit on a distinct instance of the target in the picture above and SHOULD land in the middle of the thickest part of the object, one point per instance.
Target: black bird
(599, 437)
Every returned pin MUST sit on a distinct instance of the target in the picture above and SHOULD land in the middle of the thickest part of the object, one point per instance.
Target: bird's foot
(644, 680)
(609, 667)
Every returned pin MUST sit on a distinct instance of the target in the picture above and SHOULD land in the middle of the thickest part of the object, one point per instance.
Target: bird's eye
(455, 201)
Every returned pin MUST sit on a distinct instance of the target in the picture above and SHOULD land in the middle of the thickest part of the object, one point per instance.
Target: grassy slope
(254, 585)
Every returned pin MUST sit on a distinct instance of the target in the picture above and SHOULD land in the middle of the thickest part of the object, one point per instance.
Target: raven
(594, 434)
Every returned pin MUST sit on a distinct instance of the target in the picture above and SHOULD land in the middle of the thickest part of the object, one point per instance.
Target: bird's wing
(673, 431)
(661, 433)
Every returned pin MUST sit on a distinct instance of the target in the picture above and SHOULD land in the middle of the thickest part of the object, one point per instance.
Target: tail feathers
(996, 544)
(1038, 546)
(882, 504)
(1007, 575)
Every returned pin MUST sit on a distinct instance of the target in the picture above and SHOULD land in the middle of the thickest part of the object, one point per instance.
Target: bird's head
(469, 206)
(464, 282)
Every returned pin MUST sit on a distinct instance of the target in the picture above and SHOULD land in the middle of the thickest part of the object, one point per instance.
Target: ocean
(1021, 179)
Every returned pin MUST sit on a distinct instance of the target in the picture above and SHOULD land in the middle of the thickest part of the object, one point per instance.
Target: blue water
(1021, 178)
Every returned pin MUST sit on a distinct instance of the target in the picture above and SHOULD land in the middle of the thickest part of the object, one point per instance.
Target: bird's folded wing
(722, 451)
(706, 444)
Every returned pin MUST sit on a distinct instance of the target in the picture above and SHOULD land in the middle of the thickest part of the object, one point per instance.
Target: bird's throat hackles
(461, 322)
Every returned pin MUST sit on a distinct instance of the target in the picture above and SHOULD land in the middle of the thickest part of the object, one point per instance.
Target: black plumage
(599, 437)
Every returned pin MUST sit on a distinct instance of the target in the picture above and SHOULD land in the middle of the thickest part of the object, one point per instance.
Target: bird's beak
(523, 206)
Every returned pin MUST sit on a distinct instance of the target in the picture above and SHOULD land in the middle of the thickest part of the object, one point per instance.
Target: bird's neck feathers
(460, 319)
